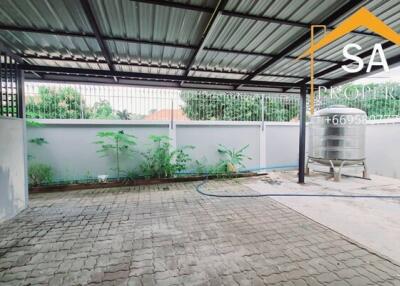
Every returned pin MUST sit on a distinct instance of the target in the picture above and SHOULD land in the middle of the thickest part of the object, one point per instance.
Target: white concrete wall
(72, 154)
(206, 136)
(282, 145)
(383, 148)
(71, 151)
(13, 183)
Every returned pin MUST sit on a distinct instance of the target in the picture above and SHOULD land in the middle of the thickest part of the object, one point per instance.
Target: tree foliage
(377, 100)
(68, 103)
(102, 110)
(63, 103)
(206, 105)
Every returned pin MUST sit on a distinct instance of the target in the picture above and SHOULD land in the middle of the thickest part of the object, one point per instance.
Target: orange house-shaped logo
(362, 18)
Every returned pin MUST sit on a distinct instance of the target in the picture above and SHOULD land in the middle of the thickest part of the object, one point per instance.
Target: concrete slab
(373, 222)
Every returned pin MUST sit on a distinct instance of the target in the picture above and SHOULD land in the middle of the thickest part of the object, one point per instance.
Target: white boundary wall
(72, 154)
(13, 183)
(383, 148)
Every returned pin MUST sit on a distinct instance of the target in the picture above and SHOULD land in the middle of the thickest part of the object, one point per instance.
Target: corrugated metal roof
(233, 62)
(147, 69)
(64, 15)
(136, 21)
(249, 35)
(69, 64)
(151, 54)
(149, 22)
(216, 75)
(29, 43)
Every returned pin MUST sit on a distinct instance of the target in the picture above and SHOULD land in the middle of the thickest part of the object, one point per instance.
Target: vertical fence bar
(172, 114)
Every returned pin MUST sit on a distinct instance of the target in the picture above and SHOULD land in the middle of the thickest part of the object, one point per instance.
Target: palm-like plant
(233, 158)
(124, 114)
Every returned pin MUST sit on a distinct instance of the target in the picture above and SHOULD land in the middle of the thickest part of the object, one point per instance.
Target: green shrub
(40, 174)
(130, 175)
(160, 161)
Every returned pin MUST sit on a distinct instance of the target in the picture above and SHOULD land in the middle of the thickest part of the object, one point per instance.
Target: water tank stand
(337, 174)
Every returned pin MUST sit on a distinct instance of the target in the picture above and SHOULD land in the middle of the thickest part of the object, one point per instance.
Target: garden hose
(199, 186)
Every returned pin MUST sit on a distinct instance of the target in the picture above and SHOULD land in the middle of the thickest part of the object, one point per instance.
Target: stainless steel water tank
(337, 134)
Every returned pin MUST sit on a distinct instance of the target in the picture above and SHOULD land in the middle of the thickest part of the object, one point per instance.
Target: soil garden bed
(125, 183)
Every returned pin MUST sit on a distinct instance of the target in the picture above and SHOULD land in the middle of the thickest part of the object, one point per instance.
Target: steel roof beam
(177, 5)
(95, 28)
(207, 31)
(266, 55)
(45, 31)
(93, 61)
(102, 80)
(348, 7)
(159, 77)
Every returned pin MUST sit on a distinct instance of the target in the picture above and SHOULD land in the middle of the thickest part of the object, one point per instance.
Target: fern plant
(116, 145)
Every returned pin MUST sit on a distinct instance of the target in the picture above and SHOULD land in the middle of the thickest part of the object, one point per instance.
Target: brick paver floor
(171, 235)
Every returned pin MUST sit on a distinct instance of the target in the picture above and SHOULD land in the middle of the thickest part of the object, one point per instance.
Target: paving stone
(151, 236)
(346, 273)
(327, 277)
(110, 276)
(358, 280)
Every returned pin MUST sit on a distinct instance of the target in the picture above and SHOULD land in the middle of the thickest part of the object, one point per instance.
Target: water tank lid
(338, 109)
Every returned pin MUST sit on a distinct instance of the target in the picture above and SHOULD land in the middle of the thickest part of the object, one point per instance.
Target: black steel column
(302, 137)
(20, 92)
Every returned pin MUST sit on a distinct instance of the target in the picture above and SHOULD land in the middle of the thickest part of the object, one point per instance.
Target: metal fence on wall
(79, 101)
(73, 101)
